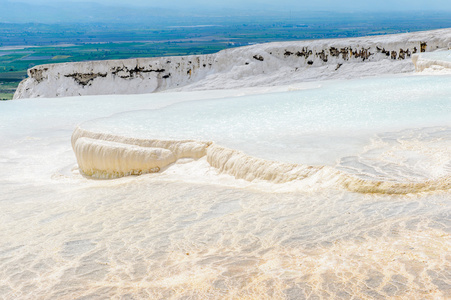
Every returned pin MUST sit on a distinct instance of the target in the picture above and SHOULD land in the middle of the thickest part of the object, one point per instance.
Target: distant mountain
(67, 12)
(120, 13)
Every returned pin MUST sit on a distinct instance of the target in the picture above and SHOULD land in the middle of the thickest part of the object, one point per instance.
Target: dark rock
(423, 47)
(387, 53)
(258, 57)
(85, 78)
(344, 53)
(136, 70)
(334, 52)
(310, 62)
(393, 55)
(304, 53)
(362, 53)
(322, 55)
(38, 74)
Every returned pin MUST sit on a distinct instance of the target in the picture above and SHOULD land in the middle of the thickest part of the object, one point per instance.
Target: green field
(9, 82)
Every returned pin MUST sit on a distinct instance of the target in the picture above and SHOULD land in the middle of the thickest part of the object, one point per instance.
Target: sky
(348, 5)
(156, 11)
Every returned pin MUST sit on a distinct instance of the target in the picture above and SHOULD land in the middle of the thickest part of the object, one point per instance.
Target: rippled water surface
(298, 126)
(190, 232)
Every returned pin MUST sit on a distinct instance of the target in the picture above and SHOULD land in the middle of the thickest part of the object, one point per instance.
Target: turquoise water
(310, 126)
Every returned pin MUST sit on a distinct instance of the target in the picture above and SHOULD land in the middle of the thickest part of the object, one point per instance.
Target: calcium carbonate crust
(258, 65)
(423, 63)
(102, 155)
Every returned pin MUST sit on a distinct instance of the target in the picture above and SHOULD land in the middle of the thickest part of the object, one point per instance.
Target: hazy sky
(348, 5)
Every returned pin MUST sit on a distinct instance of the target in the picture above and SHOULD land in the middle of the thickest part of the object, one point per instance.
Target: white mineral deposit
(296, 170)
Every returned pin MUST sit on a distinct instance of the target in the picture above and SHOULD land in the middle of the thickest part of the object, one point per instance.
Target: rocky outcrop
(257, 65)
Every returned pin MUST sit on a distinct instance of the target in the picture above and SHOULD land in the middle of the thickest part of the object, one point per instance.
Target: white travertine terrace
(258, 65)
(107, 159)
(437, 61)
(108, 156)
(273, 127)
(99, 157)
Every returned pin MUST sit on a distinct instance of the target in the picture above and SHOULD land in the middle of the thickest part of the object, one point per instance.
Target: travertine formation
(109, 156)
(257, 65)
(104, 155)
(436, 61)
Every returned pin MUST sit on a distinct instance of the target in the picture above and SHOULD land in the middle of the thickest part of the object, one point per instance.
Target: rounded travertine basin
(437, 60)
(323, 132)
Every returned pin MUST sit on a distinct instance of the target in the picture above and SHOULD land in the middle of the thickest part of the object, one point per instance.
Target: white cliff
(257, 65)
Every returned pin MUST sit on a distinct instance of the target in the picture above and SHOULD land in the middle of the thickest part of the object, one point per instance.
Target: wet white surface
(192, 232)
